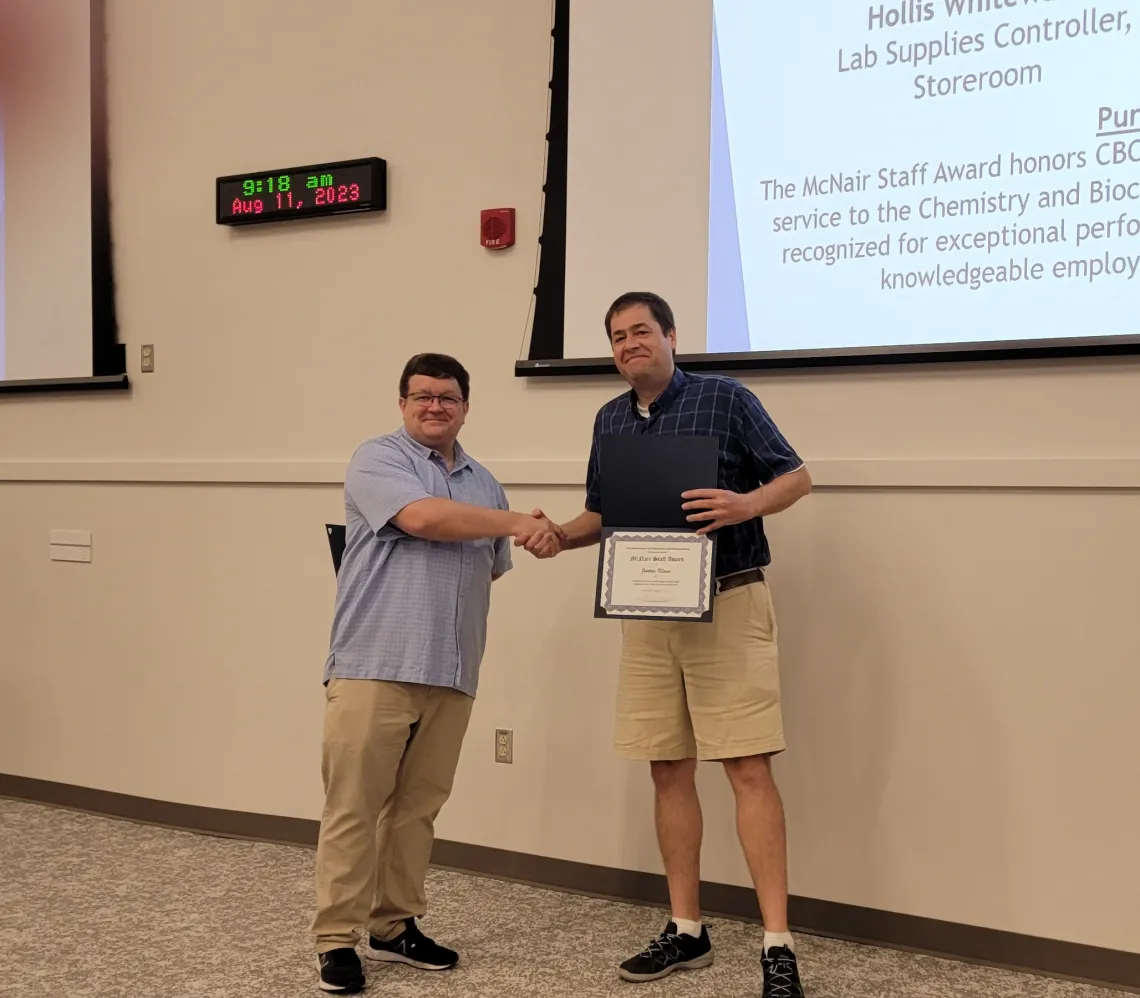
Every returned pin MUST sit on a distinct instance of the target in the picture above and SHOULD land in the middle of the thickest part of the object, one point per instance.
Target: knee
(674, 776)
(752, 773)
(419, 800)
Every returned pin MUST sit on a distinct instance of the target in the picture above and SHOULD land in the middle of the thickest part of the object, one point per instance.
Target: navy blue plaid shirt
(753, 452)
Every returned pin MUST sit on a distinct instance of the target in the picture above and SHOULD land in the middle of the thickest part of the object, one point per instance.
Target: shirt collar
(429, 452)
(665, 399)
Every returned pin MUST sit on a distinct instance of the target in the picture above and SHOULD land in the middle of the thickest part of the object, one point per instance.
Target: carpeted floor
(96, 907)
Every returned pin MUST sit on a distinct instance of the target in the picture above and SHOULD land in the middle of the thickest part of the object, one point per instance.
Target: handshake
(540, 535)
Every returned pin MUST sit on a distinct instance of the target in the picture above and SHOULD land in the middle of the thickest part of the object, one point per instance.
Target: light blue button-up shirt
(410, 610)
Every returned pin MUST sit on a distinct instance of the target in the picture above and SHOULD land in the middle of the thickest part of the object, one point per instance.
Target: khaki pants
(389, 758)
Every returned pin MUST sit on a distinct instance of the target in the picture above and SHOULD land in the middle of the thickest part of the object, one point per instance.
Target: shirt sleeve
(503, 561)
(594, 471)
(769, 449)
(380, 482)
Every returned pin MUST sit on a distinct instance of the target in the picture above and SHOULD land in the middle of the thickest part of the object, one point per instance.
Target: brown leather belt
(745, 578)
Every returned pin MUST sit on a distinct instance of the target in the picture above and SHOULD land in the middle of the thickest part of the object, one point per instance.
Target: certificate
(656, 575)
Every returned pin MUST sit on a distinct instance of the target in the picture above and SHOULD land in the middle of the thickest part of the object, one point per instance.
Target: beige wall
(957, 600)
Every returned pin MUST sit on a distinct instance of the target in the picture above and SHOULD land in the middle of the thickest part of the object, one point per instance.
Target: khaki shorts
(704, 691)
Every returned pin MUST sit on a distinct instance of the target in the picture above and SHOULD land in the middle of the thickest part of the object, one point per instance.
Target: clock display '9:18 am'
(309, 191)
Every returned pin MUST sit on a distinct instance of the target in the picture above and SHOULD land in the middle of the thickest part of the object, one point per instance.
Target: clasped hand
(542, 537)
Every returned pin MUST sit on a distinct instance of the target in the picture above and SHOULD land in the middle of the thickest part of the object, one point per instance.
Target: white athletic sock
(778, 939)
(687, 928)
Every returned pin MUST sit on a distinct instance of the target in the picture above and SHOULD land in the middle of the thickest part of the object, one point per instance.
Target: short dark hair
(436, 365)
(658, 308)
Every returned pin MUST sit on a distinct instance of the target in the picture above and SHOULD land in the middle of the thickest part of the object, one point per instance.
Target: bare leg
(760, 825)
(679, 831)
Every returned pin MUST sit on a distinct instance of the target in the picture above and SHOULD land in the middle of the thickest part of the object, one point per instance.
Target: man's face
(642, 349)
(434, 410)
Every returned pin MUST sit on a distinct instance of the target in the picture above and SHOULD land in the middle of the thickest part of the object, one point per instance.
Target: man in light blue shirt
(428, 529)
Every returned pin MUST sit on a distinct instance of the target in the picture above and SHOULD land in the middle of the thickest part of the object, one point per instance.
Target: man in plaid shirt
(698, 692)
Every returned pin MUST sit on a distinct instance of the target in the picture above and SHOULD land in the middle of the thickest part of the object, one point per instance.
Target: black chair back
(336, 543)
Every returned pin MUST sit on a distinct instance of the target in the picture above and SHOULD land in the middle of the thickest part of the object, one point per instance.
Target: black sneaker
(670, 951)
(413, 948)
(781, 974)
(340, 972)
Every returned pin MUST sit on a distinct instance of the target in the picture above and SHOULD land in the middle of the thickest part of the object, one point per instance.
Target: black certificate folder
(652, 564)
(644, 475)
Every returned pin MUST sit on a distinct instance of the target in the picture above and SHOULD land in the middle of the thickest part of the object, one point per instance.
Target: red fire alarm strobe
(497, 228)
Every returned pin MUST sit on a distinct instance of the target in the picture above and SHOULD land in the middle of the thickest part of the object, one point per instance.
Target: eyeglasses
(425, 399)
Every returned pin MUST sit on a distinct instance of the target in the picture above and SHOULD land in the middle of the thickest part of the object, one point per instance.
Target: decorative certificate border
(609, 544)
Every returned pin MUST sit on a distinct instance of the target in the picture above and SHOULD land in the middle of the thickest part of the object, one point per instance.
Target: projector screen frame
(108, 355)
(547, 333)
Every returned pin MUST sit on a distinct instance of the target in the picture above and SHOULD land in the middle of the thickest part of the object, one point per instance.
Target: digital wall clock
(342, 188)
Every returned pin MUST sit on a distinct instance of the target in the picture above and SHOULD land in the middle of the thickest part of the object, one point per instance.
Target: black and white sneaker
(670, 951)
(413, 948)
(781, 974)
(340, 972)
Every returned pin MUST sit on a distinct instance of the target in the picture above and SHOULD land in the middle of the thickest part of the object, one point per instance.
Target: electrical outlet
(504, 745)
(147, 360)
